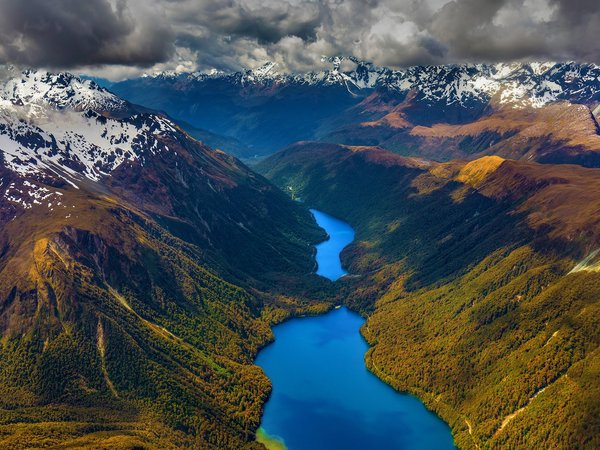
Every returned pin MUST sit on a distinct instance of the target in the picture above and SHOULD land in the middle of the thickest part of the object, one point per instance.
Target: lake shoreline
(271, 442)
(389, 397)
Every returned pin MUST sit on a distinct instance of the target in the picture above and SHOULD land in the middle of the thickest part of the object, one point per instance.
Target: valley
(465, 271)
(144, 275)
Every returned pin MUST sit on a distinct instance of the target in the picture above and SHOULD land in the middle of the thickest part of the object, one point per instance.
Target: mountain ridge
(535, 80)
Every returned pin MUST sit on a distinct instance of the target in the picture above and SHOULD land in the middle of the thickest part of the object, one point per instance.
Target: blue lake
(328, 252)
(323, 396)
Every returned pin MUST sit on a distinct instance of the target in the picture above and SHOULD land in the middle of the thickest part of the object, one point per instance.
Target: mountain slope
(558, 132)
(134, 263)
(480, 280)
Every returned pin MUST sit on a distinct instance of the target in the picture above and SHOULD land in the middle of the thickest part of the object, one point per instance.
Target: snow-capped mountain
(267, 109)
(50, 121)
(516, 84)
(57, 129)
(59, 91)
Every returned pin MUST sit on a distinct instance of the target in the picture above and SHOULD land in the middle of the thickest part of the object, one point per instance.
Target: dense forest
(469, 275)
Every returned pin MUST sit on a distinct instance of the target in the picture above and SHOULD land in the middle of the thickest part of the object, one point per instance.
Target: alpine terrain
(546, 112)
(141, 270)
(300, 224)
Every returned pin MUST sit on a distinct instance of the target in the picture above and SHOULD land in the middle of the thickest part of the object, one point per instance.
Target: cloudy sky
(123, 38)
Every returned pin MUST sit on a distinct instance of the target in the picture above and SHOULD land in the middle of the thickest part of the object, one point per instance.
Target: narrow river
(323, 396)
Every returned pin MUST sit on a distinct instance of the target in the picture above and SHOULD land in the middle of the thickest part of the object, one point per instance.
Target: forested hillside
(481, 284)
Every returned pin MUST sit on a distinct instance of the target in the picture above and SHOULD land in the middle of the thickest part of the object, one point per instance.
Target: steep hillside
(134, 266)
(481, 284)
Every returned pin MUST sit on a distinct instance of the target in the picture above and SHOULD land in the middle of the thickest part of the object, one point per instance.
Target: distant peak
(264, 72)
(265, 68)
(516, 84)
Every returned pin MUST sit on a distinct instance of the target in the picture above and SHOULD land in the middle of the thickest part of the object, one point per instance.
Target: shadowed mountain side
(262, 117)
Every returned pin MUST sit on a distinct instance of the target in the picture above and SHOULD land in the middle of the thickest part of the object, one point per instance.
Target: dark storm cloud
(229, 34)
(496, 30)
(268, 24)
(79, 32)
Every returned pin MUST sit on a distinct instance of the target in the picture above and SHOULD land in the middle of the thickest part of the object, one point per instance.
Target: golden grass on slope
(395, 119)
(395, 116)
(487, 124)
(561, 199)
(475, 172)
(562, 122)
(383, 157)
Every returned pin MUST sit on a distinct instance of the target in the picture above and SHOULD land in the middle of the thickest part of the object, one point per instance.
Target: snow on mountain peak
(539, 68)
(514, 84)
(57, 126)
(60, 91)
(266, 69)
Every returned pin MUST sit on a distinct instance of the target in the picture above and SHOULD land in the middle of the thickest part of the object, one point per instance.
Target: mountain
(263, 111)
(524, 111)
(415, 111)
(480, 281)
(136, 275)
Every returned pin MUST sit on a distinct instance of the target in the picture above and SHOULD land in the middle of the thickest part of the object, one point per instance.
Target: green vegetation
(464, 273)
(133, 321)
(479, 348)
(272, 443)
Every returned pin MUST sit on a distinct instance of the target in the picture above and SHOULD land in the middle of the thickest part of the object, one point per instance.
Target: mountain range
(440, 112)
